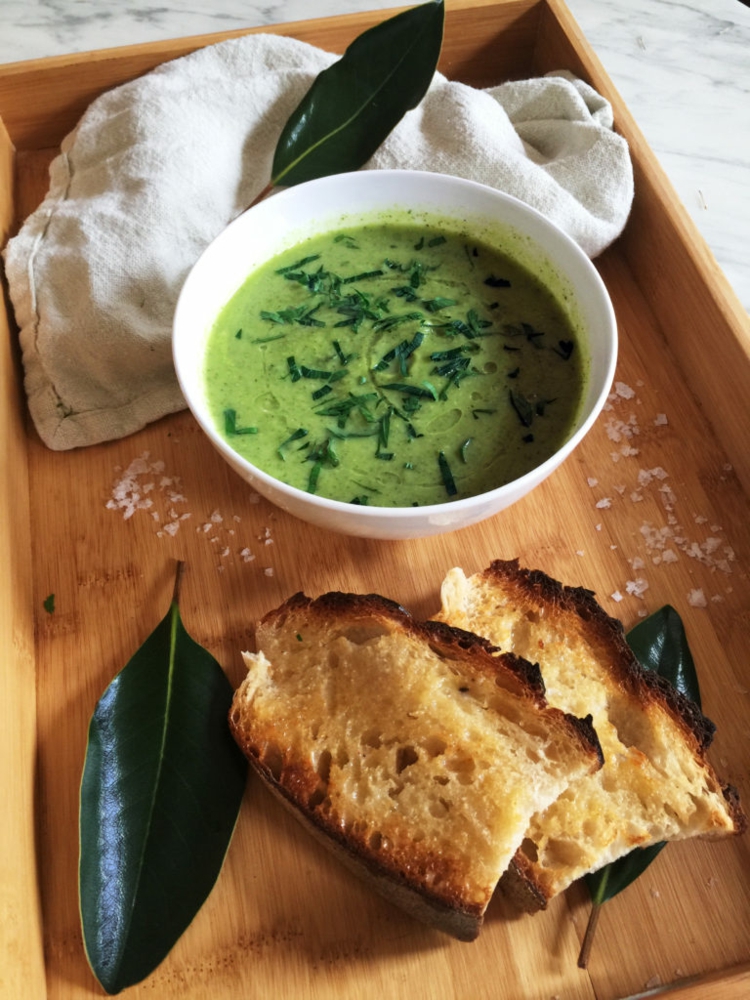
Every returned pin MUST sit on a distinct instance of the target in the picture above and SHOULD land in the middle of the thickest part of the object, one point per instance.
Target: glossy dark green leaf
(162, 785)
(660, 644)
(354, 104)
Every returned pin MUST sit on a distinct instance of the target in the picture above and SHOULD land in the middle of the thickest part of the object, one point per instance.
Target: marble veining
(682, 67)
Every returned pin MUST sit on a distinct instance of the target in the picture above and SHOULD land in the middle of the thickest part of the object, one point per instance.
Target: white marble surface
(682, 66)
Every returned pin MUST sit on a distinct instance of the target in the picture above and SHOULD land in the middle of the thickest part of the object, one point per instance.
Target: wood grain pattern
(285, 920)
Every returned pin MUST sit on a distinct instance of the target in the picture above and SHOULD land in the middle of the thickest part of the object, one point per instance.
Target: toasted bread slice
(656, 783)
(415, 751)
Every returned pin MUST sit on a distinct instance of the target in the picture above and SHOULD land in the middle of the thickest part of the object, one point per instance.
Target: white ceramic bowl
(330, 203)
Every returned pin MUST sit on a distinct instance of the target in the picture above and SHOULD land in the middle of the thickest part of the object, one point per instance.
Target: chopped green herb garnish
(322, 391)
(294, 369)
(365, 275)
(420, 244)
(436, 241)
(299, 433)
(347, 240)
(388, 322)
(425, 390)
(343, 358)
(49, 604)
(405, 292)
(494, 282)
(464, 448)
(523, 408)
(434, 305)
(299, 264)
(514, 373)
(230, 425)
(445, 471)
(238, 335)
(268, 340)
(361, 500)
(564, 349)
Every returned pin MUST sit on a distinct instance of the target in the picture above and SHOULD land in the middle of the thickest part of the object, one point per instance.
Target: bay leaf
(162, 786)
(354, 104)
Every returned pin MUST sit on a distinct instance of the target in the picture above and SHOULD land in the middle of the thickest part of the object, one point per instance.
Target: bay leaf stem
(178, 581)
(588, 938)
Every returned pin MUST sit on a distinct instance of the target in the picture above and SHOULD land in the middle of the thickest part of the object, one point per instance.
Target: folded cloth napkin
(156, 168)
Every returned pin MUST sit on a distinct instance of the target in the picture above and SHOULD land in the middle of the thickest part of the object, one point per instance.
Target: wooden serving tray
(284, 920)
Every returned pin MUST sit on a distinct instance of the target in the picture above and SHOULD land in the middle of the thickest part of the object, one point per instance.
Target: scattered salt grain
(624, 391)
(652, 983)
(616, 596)
(636, 563)
(592, 482)
(247, 555)
(216, 517)
(660, 419)
(604, 503)
(697, 599)
(172, 528)
(224, 552)
(268, 571)
(637, 587)
(579, 552)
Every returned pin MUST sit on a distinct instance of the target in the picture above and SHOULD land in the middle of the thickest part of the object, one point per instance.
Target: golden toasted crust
(343, 717)
(574, 605)
(656, 783)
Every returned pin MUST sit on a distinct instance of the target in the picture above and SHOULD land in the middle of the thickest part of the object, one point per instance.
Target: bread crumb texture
(416, 747)
(656, 783)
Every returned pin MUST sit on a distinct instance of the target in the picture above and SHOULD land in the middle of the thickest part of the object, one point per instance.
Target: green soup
(394, 365)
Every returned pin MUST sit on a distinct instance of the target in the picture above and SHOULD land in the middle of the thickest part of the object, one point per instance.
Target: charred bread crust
(520, 885)
(608, 635)
(444, 910)
(510, 671)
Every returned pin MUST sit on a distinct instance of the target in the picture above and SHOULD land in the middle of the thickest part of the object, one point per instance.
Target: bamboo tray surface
(666, 467)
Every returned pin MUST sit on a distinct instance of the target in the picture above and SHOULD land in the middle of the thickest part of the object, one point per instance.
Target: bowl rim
(520, 485)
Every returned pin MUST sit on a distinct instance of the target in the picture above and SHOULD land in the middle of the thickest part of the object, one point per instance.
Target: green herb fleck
(230, 425)
(445, 471)
(49, 604)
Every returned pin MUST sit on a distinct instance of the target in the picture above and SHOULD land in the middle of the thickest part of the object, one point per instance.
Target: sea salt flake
(623, 390)
(268, 571)
(697, 599)
(637, 587)
(616, 596)
(172, 527)
(592, 482)
(660, 419)
(604, 503)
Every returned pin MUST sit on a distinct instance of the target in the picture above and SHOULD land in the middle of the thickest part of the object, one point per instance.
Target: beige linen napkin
(156, 168)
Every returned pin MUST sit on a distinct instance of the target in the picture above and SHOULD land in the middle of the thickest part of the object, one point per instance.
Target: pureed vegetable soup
(394, 365)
